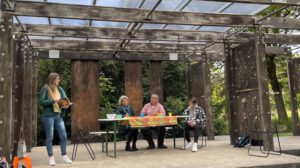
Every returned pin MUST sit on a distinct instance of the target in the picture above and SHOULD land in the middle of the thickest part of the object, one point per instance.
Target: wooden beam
(6, 84)
(109, 55)
(114, 46)
(267, 2)
(153, 34)
(280, 22)
(276, 50)
(122, 33)
(269, 38)
(282, 39)
(129, 56)
(55, 10)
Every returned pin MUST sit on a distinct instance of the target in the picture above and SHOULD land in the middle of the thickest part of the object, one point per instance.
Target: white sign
(279, 1)
(53, 53)
(173, 56)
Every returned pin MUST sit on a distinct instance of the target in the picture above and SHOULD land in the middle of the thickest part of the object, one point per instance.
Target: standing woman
(126, 111)
(195, 122)
(50, 95)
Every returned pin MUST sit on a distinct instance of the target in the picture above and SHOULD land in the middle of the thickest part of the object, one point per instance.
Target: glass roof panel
(31, 20)
(180, 27)
(109, 24)
(118, 3)
(74, 2)
(40, 37)
(149, 4)
(73, 22)
(33, 0)
(213, 28)
(103, 40)
(244, 9)
(205, 6)
(169, 5)
(70, 38)
(201, 6)
(151, 26)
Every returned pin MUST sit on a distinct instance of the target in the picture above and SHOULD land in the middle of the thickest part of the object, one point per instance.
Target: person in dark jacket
(126, 111)
(195, 122)
(51, 96)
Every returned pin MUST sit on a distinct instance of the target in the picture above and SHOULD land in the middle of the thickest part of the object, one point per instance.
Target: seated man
(154, 108)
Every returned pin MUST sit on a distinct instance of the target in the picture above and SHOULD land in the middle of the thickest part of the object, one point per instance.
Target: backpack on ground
(242, 141)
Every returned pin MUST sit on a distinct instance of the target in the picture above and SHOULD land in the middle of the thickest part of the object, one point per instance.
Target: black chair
(203, 138)
(81, 136)
(258, 133)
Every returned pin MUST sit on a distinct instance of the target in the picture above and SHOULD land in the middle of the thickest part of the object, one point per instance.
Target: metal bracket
(6, 5)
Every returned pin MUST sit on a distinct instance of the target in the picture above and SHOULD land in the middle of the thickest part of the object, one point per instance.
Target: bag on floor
(242, 141)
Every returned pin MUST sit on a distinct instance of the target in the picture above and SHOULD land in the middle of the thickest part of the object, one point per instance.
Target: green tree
(218, 98)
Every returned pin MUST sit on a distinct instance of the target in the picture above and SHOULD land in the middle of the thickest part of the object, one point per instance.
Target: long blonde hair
(52, 88)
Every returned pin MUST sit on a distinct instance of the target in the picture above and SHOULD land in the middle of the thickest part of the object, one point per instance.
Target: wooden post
(34, 101)
(85, 95)
(6, 83)
(263, 91)
(19, 44)
(229, 85)
(293, 94)
(27, 97)
(199, 86)
(133, 85)
(246, 89)
(156, 79)
(207, 100)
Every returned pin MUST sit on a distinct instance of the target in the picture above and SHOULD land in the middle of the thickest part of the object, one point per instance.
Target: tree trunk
(282, 115)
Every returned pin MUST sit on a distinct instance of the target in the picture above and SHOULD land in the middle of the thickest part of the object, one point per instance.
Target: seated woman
(195, 122)
(127, 111)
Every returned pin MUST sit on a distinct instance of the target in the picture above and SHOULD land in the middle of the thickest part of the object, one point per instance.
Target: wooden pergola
(244, 55)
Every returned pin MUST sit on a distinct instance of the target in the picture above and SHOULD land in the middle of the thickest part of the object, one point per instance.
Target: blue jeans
(58, 123)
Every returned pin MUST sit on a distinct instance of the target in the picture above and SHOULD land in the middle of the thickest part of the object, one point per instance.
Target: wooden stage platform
(217, 154)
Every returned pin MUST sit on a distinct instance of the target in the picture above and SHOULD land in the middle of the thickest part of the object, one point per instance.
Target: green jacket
(46, 102)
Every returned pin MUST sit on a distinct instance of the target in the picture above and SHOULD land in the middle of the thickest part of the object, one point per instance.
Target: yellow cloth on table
(54, 94)
(152, 121)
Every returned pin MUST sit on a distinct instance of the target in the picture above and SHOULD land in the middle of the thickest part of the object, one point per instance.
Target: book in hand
(64, 103)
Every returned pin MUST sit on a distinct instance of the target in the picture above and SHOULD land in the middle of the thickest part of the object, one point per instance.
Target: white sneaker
(188, 145)
(51, 161)
(66, 159)
(195, 147)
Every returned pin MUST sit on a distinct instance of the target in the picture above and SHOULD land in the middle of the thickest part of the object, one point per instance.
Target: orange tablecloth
(152, 121)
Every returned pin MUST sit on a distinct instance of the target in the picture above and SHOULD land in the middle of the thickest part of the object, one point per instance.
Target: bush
(175, 105)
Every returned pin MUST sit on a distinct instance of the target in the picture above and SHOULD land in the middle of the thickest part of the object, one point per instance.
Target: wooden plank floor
(218, 154)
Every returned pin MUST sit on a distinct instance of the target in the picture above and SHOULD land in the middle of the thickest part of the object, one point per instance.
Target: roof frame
(267, 2)
(170, 36)
(39, 9)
